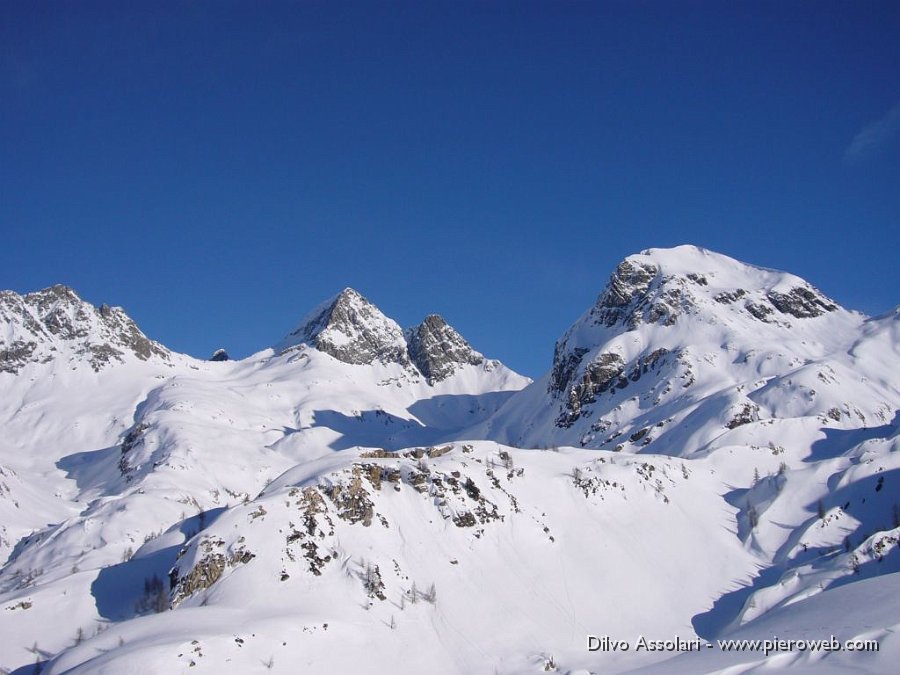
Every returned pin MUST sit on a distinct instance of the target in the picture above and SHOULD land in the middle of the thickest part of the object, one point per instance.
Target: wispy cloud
(875, 137)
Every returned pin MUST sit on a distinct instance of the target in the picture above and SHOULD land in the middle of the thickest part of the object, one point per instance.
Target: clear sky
(220, 168)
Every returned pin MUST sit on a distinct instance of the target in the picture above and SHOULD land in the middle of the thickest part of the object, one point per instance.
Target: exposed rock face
(801, 302)
(38, 327)
(565, 363)
(437, 350)
(352, 330)
(598, 376)
(215, 560)
(220, 355)
(727, 297)
(759, 311)
(745, 415)
(15, 355)
(622, 299)
(627, 301)
(604, 372)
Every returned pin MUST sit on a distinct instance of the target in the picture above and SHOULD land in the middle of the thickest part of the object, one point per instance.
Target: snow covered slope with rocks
(55, 324)
(109, 437)
(713, 453)
(684, 347)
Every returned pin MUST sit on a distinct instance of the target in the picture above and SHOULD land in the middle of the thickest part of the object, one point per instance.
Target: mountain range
(711, 454)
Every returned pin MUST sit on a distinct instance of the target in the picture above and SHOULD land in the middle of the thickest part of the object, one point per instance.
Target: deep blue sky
(218, 169)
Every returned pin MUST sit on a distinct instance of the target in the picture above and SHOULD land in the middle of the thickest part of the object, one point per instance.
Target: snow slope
(713, 451)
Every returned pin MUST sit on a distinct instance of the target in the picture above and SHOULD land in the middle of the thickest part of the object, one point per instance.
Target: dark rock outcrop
(727, 297)
(437, 350)
(759, 310)
(602, 373)
(801, 302)
(621, 299)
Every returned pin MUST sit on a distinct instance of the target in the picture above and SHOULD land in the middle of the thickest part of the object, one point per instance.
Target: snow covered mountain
(55, 324)
(685, 346)
(352, 330)
(713, 445)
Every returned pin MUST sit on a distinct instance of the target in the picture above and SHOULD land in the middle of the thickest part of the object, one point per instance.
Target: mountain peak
(42, 325)
(663, 300)
(658, 285)
(438, 350)
(351, 329)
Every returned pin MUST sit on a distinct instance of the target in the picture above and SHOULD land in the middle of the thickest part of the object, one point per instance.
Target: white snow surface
(291, 512)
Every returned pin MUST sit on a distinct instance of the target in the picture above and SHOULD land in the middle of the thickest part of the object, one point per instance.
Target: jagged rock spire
(438, 351)
(352, 330)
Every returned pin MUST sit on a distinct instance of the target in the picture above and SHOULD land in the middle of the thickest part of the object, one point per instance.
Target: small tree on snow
(752, 516)
(155, 598)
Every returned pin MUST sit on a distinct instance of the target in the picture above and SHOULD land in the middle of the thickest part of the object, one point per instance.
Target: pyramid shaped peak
(351, 295)
(352, 329)
(438, 350)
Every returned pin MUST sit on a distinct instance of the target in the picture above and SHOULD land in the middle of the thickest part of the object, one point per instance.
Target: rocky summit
(55, 323)
(352, 330)
(660, 305)
(437, 350)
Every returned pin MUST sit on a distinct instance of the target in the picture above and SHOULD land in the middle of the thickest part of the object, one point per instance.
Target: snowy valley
(711, 454)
